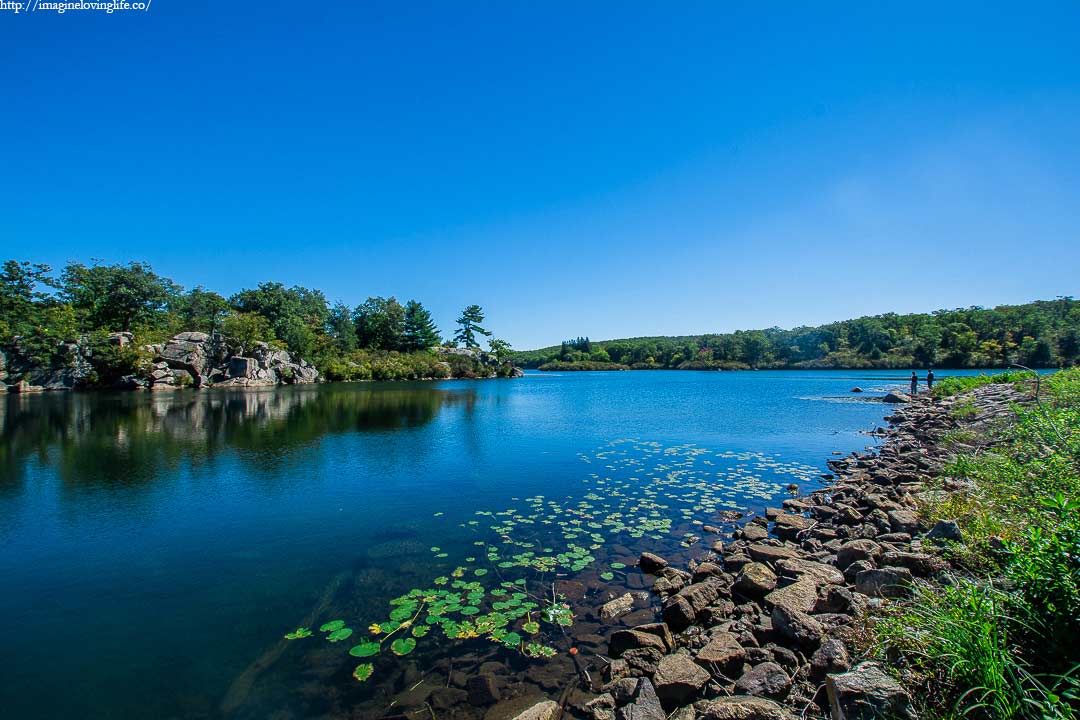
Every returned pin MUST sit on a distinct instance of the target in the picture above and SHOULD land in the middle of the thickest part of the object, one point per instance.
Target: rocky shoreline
(766, 625)
(190, 360)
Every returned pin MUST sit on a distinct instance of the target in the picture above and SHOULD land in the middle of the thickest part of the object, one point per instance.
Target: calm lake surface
(155, 548)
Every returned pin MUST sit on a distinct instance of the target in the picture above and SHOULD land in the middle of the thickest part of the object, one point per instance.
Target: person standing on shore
(929, 379)
(914, 384)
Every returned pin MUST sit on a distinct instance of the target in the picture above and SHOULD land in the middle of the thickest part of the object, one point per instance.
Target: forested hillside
(1044, 333)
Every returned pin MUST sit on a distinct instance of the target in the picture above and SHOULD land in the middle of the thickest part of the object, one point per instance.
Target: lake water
(155, 548)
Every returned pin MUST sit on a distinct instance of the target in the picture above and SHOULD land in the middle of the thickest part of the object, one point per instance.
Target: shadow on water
(104, 439)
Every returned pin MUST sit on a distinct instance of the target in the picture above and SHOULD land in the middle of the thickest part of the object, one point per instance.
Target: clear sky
(601, 169)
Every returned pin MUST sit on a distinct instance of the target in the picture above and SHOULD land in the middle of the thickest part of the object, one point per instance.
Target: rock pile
(760, 627)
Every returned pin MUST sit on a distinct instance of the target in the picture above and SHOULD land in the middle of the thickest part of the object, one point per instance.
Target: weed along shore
(936, 577)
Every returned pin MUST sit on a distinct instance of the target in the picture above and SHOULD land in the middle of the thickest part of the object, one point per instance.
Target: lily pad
(332, 626)
(365, 649)
(363, 671)
(339, 635)
(298, 633)
(403, 646)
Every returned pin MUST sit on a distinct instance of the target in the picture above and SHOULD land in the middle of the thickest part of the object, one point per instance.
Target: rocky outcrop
(189, 359)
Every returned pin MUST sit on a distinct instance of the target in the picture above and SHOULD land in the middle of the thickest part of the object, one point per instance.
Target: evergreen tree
(470, 326)
(420, 332)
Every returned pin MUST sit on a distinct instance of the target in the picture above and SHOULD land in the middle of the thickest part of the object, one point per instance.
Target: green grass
(955, 385)
(977, 650)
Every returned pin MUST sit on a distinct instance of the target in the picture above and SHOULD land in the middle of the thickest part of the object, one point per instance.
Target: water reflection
(107, 439)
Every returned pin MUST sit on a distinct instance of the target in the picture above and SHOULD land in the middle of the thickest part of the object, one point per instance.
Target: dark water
(155, 548)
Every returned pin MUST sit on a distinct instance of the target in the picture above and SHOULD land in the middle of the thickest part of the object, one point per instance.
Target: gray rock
(788, 526)
(884, 582)
(651, 564)
(741, 707)
(905, 521)
(724, 652)
(797, 626)
(645, 706)
(831, 657)
(623, 640)
(895, 398)
(820, 573)
(619, 606)
(867, 693)
(755, 580)
(854, 550)
(524, 708)
(482, 690)
(946, 530)
(765, 680)
(679, 680)
(801, 596)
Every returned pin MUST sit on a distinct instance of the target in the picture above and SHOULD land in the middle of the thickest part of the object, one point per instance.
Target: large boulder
(623, 640)
(742, 707)
(765, 680)
(679, 680)
(524, 708)
(723, 652)
(867, 693)
(884, 582)
(755, 580)
(187, 351)
(650, 563)
(644, 705)
(797, 626)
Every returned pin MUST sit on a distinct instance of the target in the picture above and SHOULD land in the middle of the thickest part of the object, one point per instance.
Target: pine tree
(420, 330)
(470, 326)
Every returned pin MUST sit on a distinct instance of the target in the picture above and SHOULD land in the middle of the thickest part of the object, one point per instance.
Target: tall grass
(955, 385)
(983, 652)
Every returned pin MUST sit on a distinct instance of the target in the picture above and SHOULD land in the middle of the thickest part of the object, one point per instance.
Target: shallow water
(155, 548)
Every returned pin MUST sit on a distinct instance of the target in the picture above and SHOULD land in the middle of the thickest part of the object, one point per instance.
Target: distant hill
(1044, 333)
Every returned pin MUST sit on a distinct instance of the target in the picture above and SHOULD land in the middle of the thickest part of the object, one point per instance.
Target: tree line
(1042, 334)
(40, 309)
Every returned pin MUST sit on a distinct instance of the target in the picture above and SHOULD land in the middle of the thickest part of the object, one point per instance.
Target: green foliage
(248, 328)
(295, 315)
(1045, 571)
(986, 653)
(958, 637)
(116, 297)
(380, 324)
(956, 385)
(469, 326)
(582, 365)
(1038, 334)
(298, 633)
(419, 331)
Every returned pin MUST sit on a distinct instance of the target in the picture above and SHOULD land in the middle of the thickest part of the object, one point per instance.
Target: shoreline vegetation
(1040, 334)
(123, 326)
(936, 577)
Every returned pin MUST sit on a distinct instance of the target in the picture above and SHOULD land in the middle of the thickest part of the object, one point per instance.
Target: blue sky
(613, 170)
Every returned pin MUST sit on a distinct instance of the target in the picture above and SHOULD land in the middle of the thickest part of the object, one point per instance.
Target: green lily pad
(365, 649)
(363, 671)
(607, 576)
(298, 633)
(403, 646)
(339, 635)
(332, 626)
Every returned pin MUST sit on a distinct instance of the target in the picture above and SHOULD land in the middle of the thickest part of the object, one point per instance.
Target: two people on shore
(915, 382)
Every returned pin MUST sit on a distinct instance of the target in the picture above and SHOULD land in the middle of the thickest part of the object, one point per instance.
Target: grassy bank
(1004, 641)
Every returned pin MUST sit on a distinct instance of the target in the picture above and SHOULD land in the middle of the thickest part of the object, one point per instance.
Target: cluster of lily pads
(643, 489)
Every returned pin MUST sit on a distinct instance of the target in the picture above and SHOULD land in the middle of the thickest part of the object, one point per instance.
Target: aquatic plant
(339, 635)
(641, 491)
(363, 671)
(298, 633)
